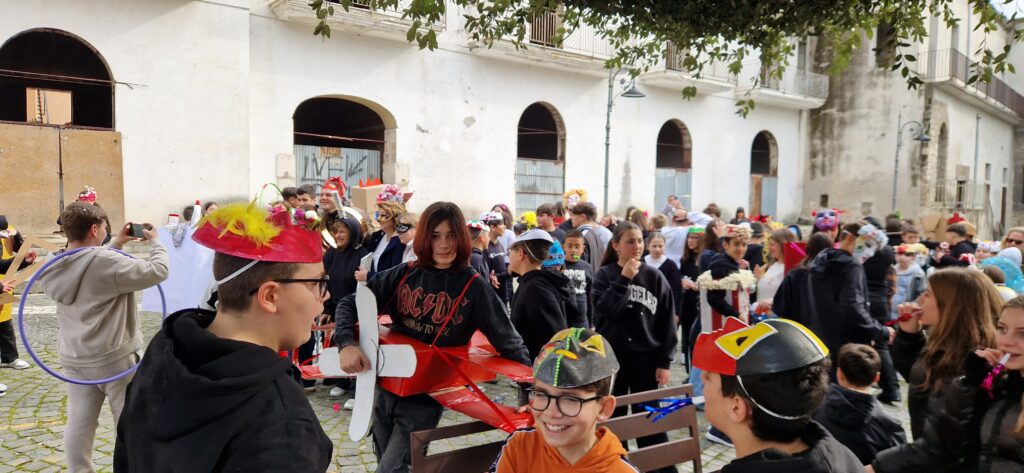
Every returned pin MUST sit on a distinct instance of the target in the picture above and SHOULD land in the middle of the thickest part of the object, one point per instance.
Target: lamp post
(921, 137)
(630, 92)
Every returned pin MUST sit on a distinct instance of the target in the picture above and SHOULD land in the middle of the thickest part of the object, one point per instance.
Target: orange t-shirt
(525, 451)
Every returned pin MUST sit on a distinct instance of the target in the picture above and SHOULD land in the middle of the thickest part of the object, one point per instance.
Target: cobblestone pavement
(34, 412)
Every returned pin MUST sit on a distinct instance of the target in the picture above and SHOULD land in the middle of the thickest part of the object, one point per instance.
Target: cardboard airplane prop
(406, 366)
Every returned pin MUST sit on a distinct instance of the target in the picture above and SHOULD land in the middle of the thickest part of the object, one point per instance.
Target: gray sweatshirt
(96, 310)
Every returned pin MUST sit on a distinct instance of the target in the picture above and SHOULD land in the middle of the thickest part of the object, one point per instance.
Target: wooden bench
(478, 458)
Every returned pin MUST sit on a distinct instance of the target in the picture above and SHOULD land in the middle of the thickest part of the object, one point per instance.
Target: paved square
(34, 412)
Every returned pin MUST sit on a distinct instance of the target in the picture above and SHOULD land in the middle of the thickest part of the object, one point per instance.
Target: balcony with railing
(582, 50)
(358, 19)
(671, 72)
(797, 89)
(951, 69)
(956, 194)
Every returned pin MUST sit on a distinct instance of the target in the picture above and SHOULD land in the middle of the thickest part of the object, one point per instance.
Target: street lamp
(920, 136)
(630, 92)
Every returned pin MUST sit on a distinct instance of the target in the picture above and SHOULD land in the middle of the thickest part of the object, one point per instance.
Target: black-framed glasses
(569, 406)
(403, 229)
(321, 284)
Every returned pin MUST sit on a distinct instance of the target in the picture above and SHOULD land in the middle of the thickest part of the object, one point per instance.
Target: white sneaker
(337, 392)
(350, 404)
(3, 389)
(17, 364)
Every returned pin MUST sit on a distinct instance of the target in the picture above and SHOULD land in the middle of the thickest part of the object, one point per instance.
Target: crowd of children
(785, 339)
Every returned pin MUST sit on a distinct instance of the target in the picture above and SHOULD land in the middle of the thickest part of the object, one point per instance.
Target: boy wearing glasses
(574, 375)
(211, 393)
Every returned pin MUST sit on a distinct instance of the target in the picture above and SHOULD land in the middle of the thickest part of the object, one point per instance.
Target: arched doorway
(764, 166)
(540, 157)
(342, 136)
(56, 128)
(674, 160)
(53, 77)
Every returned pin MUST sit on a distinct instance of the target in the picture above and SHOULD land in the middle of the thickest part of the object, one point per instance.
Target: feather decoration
(244, 219)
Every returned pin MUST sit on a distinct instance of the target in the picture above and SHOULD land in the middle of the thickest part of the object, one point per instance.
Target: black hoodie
(478, 261)
(498, 263)
(581, 281)
(203, 403)
(857, 421)
(419, 306)
(836, 302)
(636, 316)
(542, 306)
(825, 455)
(721, 267)
(341, 265)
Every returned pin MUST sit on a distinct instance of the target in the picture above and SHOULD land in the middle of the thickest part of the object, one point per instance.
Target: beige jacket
(96, 310)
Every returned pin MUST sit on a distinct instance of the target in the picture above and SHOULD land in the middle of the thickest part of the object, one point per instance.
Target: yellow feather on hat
(247, 220)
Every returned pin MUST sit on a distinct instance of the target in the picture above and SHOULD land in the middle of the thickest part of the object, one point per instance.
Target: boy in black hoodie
(211, 393)
(497, 256)
(580, 274)
(478, 236)
(341, 264)
(539, 304)
(762, 383)
(734, 244)
(851, 414)
(959, 245)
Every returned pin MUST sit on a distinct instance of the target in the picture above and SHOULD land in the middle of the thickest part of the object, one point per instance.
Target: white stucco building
(212, 99)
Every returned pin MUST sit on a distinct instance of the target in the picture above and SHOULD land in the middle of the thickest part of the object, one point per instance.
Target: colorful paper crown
(914, 249)
(772, 346)
(575, 357)
(476, 224)
(88, 195)
(956, 218)
(696, 230)
(253, 232)
(871, 233)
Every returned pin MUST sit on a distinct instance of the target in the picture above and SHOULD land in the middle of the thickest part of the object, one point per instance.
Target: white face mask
(864, 251)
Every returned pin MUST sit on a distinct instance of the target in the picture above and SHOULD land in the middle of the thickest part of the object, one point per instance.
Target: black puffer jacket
(857, 421)
(940, 419)
(836, 306)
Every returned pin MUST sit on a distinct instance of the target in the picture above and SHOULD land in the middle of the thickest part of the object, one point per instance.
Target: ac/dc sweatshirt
(419, 299)
(637, 315)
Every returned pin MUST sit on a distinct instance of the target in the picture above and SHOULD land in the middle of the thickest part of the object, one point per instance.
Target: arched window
(764, 166)
(674, 160)
(540, 152)
(341, 136)
(53, 77)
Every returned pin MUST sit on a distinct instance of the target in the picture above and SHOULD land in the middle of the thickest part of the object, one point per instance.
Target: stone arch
(675, 146)
(55, 77)
(540, 156)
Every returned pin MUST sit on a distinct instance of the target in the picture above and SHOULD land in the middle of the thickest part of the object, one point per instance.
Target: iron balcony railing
(717, 70)
(949, 64)
(583, 41)
(794, 81)
(956, 194)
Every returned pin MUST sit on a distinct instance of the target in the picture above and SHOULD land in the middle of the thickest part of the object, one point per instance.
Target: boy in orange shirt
(574, 374)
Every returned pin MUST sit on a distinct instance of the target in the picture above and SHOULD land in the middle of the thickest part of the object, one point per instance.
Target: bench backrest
(478, 458)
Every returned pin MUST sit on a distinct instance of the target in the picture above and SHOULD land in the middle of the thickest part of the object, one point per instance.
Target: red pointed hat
(793, 253)
(254, 232)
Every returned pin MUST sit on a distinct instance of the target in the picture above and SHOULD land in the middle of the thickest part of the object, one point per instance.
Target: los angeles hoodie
(525, 451)
(542, 307)
(203, 403)
(581, 281)
(419, 305)
(96, 310)
(636, 316)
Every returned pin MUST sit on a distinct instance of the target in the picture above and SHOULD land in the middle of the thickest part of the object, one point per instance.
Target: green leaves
(712, 33)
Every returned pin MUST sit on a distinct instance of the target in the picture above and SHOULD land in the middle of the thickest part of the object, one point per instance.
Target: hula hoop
(28, 346)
